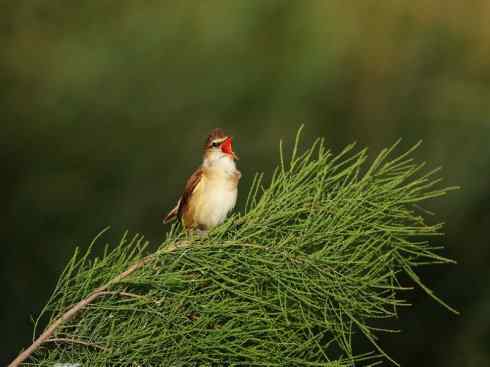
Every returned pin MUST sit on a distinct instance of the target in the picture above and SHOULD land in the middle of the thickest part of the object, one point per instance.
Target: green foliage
(315, 258)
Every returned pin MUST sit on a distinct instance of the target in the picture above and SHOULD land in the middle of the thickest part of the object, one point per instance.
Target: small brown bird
(211, 192)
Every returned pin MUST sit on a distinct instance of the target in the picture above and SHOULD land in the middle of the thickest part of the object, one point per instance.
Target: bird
(211, 192)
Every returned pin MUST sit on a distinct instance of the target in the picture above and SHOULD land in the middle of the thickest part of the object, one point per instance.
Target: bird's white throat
(220, 162)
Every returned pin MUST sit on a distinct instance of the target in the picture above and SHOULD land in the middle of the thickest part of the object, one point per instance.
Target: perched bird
(211, 192)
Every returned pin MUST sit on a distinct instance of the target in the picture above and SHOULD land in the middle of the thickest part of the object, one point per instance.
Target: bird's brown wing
(183, 202)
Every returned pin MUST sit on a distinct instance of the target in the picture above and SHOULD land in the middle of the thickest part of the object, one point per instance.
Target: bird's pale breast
(213, 199)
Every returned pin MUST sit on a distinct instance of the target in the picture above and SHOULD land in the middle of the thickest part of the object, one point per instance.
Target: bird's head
(218, 146)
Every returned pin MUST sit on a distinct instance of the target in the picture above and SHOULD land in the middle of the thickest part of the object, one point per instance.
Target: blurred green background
(105, 106)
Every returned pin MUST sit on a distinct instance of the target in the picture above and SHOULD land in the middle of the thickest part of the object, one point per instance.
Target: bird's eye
(215, 144)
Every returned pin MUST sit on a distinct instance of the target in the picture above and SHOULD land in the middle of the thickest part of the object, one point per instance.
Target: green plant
(315, 257)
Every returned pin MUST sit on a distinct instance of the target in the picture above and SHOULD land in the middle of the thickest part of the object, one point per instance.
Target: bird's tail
(172, 215)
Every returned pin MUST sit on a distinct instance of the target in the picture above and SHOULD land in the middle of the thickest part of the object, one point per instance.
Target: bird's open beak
(227, 147)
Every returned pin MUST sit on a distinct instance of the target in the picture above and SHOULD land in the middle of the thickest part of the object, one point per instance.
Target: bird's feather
(190, 186)
(183, 202)
(172, 214)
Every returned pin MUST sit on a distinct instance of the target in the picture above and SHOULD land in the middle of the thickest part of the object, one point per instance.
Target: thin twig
(136, 296)
(101, 291)
(76, 341)
(130, 295)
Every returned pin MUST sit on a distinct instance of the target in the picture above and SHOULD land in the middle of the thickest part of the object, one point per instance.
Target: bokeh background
(104, 106)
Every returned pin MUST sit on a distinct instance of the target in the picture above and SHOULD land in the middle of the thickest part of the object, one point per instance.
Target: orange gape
(226, 146)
